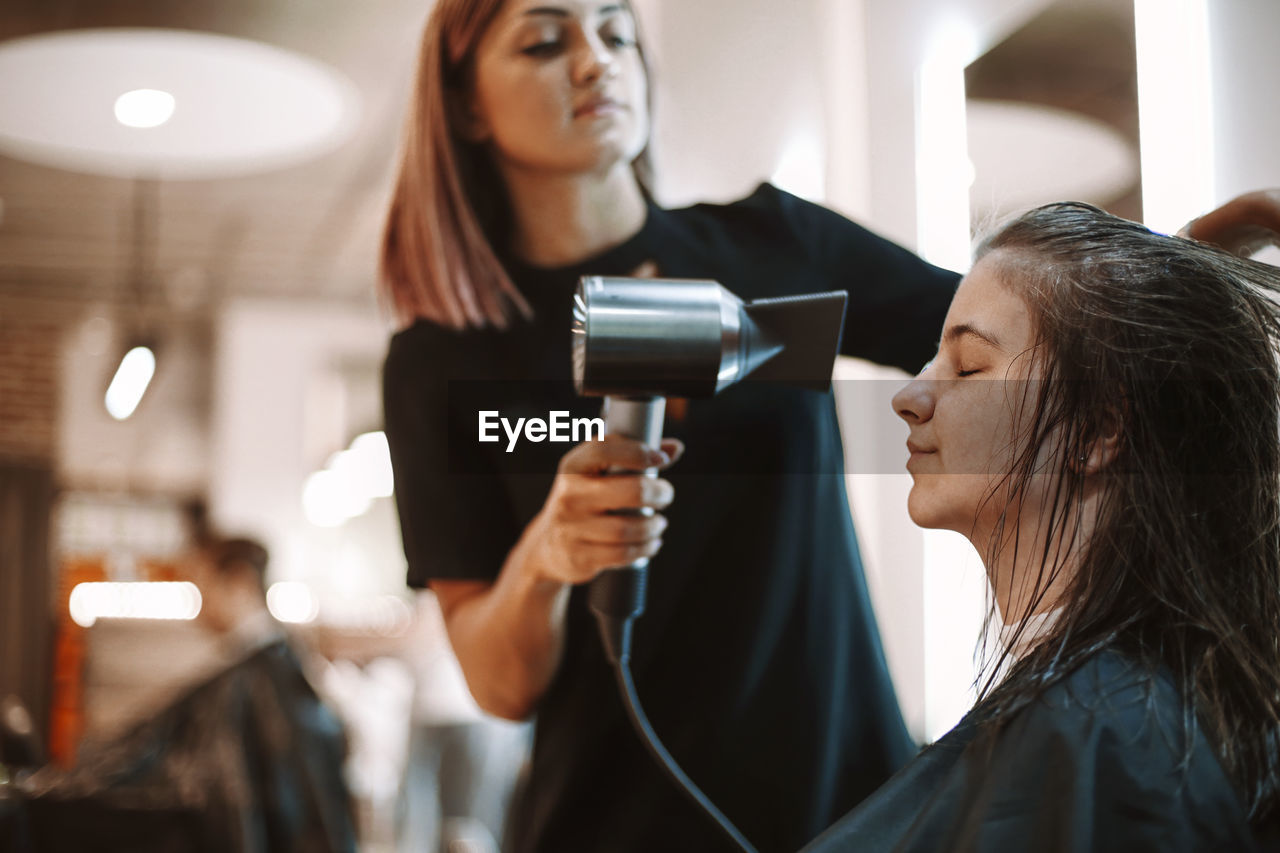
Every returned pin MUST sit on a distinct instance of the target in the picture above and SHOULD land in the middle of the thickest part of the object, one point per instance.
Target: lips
(917, 453)
(596, 105)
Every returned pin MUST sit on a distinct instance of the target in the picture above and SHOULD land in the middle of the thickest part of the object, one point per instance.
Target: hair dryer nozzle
(807, 329)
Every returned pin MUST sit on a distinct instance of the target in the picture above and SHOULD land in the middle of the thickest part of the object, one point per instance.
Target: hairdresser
(758, 660)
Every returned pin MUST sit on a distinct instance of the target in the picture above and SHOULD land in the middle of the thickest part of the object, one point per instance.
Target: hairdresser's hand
(1243, 226)
(578, 534)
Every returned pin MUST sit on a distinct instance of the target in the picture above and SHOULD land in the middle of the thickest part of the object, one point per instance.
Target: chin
(925, 511)
(609, 146)
(919, 510)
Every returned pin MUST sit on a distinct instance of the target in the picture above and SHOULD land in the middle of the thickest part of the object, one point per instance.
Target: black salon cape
(757, 659)
(249, 761)
(1094, 764)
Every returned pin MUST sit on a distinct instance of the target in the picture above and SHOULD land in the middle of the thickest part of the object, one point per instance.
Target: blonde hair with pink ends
(449, 205)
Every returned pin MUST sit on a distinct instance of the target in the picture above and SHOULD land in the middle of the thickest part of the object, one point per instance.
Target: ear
(1104, 448)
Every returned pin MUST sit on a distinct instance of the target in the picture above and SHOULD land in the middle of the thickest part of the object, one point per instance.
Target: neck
(1030, 567)
(561, 219)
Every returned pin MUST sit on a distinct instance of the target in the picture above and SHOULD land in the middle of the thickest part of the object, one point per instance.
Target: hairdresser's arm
(1244, 225)
(509, 634)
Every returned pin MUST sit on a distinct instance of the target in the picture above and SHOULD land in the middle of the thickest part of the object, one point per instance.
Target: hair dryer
(637, 341)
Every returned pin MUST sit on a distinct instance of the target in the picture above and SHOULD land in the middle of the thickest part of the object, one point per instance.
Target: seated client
(1102, 422)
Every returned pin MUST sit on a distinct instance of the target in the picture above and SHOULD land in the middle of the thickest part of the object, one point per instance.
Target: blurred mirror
(1052, 113)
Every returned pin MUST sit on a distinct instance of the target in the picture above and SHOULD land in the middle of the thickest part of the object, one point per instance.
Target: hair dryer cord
(650, 738)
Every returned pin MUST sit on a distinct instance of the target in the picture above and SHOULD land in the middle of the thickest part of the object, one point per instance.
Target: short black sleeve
(455, 518)
(897, 302)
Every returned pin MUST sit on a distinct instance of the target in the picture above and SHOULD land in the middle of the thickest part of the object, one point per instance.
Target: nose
(914, 401)
(593, 60)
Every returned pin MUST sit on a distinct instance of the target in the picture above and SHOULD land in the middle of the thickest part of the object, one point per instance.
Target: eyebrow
(564, 13)
(962, 330)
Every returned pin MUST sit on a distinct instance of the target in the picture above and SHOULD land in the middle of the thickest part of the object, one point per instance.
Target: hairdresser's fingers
(647, 269)
(613, 453)
(674, 448)
(578, 496)
(621, 529)
(590, 559)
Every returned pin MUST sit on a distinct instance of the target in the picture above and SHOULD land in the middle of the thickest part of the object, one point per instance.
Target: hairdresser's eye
(618, 33)
(543, 49)
(618, 41)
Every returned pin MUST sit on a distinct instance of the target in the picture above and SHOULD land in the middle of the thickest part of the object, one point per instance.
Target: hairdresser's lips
(597, 105)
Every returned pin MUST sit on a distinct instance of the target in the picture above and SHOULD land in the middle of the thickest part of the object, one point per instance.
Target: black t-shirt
(757, 658)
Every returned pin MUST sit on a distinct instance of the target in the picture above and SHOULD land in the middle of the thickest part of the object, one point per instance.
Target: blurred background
(206, 248)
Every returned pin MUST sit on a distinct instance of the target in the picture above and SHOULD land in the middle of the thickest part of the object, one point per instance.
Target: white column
(1245, 93)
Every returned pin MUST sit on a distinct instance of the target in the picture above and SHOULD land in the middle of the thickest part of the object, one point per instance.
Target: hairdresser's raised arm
(1244, 225)
(508, 634)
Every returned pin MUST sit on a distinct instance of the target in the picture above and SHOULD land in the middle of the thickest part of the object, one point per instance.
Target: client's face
(964, 407)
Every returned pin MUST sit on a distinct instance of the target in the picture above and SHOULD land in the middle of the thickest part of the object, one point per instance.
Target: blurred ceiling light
(132, 378)
(247, 106)
(374, 457)
(90, 602)
(144, 108)
(293, 602)
(323, 503)
(350, 481)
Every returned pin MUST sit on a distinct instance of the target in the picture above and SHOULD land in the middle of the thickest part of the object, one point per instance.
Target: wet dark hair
(239, 554)
(1170, 346)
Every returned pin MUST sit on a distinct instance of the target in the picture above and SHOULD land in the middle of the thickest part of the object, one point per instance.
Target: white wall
(738, 94)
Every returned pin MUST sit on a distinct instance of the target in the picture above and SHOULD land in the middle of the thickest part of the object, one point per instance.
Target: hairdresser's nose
(593, 60)
(914, 402)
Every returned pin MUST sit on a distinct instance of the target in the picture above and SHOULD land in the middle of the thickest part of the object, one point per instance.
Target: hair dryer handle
(617, 595)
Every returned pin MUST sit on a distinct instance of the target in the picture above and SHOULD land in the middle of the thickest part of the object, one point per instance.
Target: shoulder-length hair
(449, 212)
(1171, 345)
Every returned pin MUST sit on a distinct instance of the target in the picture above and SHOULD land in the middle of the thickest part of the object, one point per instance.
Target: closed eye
(543, 48)
(968, 372)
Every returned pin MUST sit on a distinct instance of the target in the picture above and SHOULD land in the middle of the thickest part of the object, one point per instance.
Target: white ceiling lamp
(130, 382)
(168, 104)
(144, 108)
(158, 104)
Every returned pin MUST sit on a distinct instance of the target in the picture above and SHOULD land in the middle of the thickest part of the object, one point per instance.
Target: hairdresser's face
(559, 87)
(964, 407)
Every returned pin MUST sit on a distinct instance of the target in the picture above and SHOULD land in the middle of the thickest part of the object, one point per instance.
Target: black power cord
(664, 759)
(617, 596)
